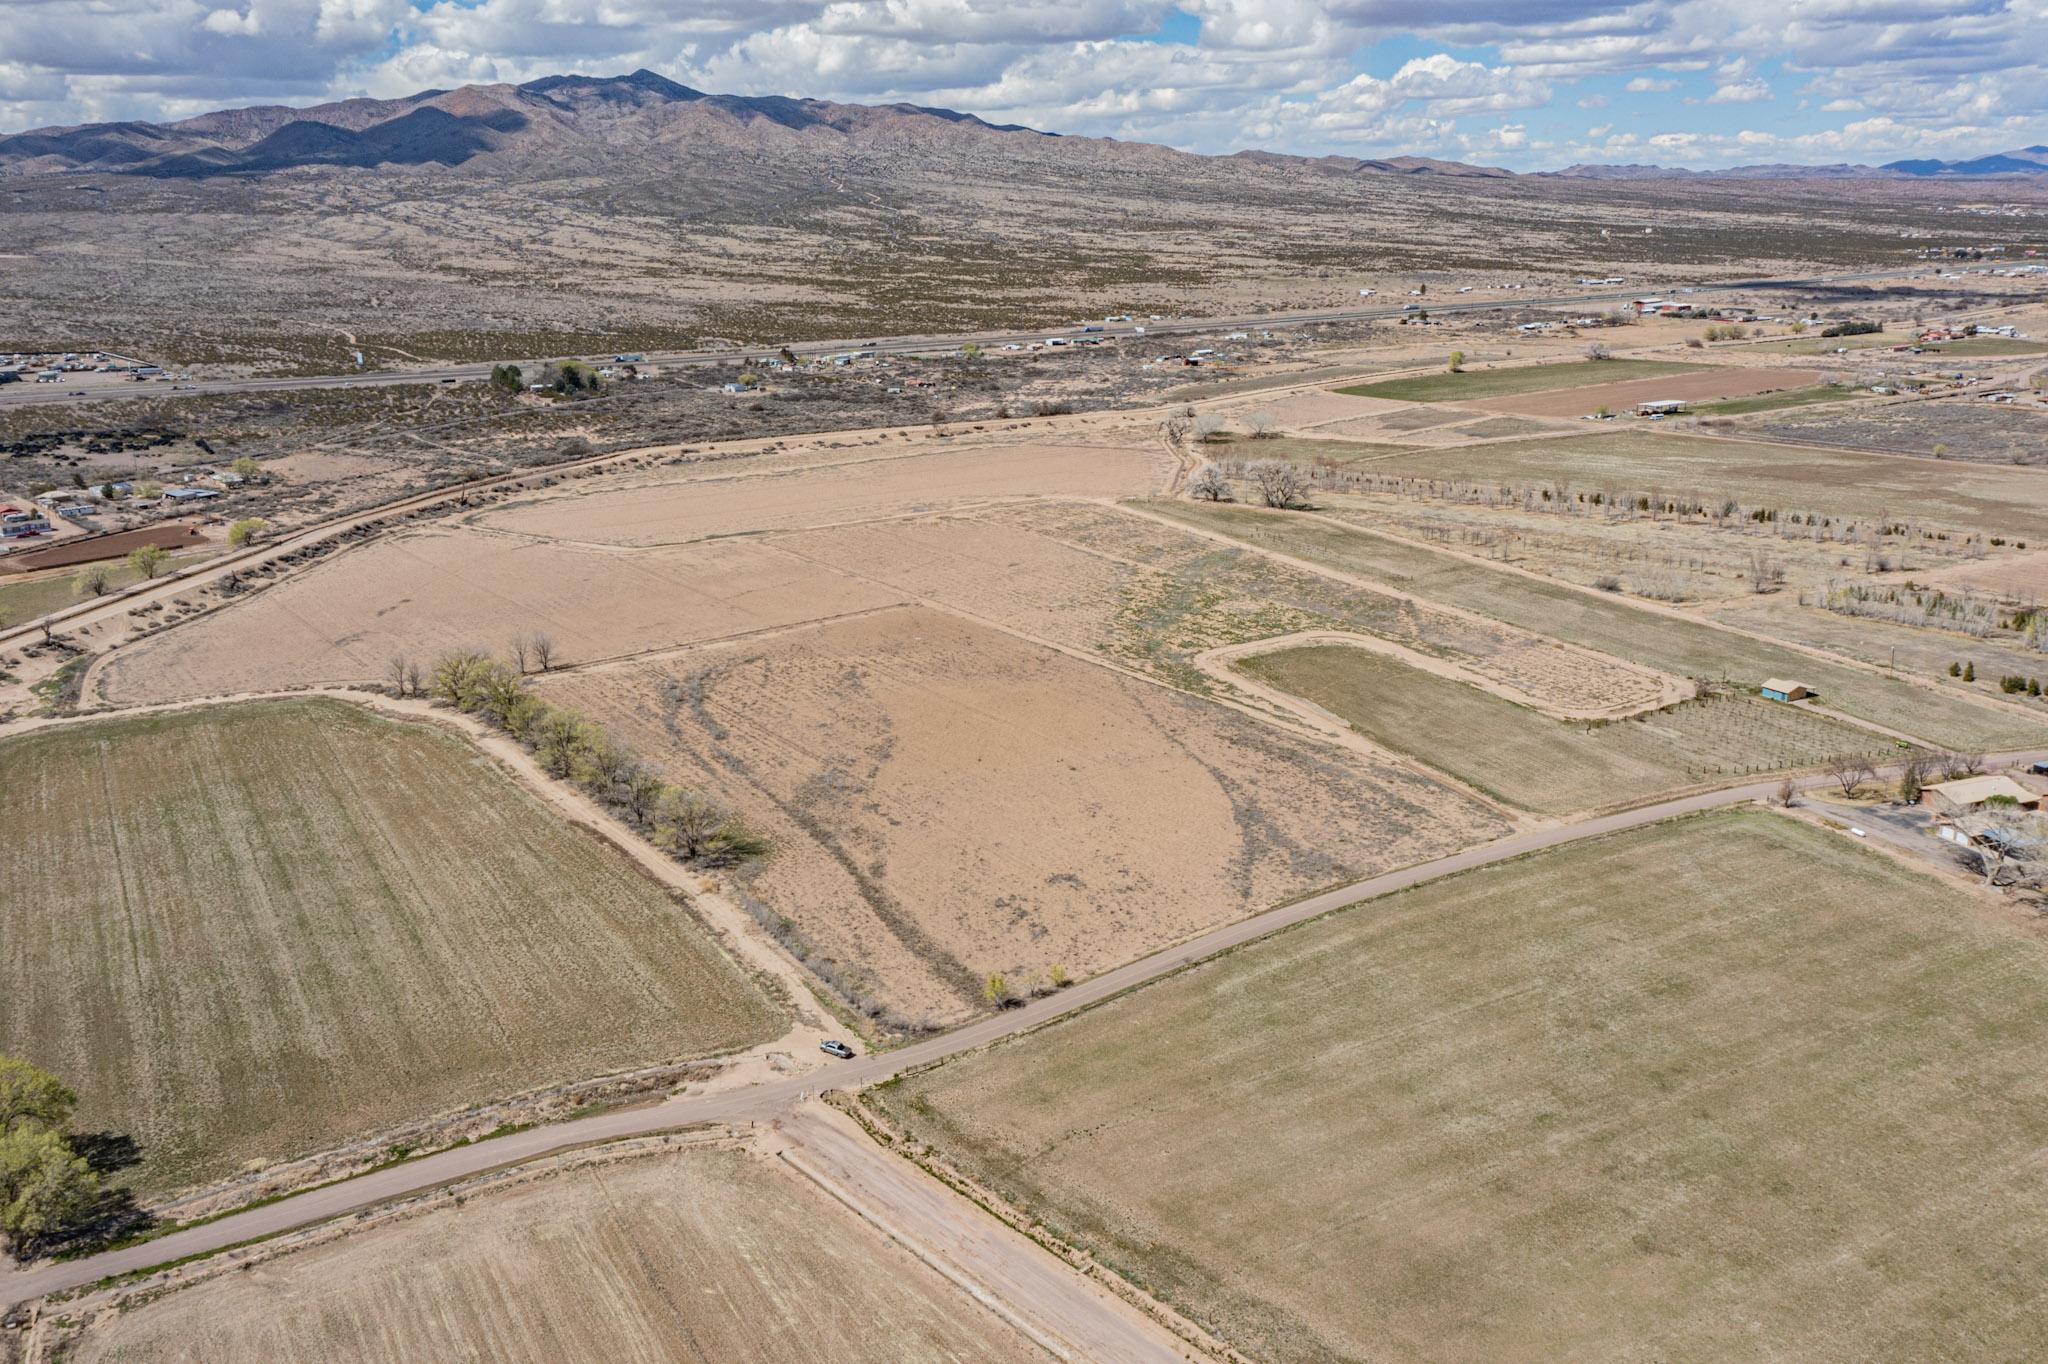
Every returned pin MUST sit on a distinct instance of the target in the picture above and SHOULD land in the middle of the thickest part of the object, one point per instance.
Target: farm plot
(258, 930)
(23, 599)
(1916, 650)
(1657, 639)
(1731, 1089)
(949, 802)
(1840, 483)
(1553, 766)
(1473, 385)
(1311, 408)
(2021, 578)
(1694, 385)
(1190, 595)
(427, 592)
(702, 504)
(705, 1254)
(1967, 432)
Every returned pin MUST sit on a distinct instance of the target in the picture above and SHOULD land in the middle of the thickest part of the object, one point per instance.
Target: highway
(33, 393)
(776, 1099)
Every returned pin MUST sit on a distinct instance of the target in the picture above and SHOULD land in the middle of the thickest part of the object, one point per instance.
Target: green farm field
(1552, 766)
(1613, 626)
(1772, 402)
(1791, 479)
(257, 930)
(1502, 383)
(26, 598)
(1725, 1090)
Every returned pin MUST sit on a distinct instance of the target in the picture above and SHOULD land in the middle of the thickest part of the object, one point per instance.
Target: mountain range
(574, 122)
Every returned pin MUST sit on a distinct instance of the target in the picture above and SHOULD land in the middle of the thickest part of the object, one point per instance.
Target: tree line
(568, 746)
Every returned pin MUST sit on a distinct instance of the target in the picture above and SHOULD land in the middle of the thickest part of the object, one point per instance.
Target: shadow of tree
(107, 1152)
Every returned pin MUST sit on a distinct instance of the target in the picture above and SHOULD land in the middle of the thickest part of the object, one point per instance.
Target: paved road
(767, 1101)
(25, 393)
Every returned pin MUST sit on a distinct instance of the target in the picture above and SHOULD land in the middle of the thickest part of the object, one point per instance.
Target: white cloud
(1924, 76)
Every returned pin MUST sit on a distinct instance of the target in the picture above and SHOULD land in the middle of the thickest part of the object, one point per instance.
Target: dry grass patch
(1684, 647)
(1474, 384)
(948, 801)
(1547, 765)
(1732, 1089)
(258, 930)
(1791, 479)
(427, 592)
(702, 503)
(700, 1255)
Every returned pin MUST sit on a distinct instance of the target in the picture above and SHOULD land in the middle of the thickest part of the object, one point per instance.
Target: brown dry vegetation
(948, 801)
(253, 931)
(668, 510)
(1684, 647)
(424, 592)
(690, 1257)
(1556, 766)
(1838, 483)
(1733, 1089)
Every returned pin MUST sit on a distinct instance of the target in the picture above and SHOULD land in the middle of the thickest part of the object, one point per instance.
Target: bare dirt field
(948, 801)
(1756, 474)
(1546, 764)
(673, 510)
(1687, 648)
(1918, 650)
(2020, 577)
(240, 934)
(697, 1256)
(1724, 381)
(1730, 1089)
(430, 591)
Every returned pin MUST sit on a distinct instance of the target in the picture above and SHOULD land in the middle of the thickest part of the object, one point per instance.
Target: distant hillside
(2025, 161)
(565, 118)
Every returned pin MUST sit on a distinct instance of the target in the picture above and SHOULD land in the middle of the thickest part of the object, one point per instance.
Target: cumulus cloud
(1876, 77)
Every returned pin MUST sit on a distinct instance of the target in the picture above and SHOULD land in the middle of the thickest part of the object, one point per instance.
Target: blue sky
(1530, 84)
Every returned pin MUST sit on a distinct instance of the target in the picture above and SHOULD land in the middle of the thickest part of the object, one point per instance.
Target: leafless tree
(1208, 426)
(1280, 484)
(2008, 844)
(1596, 350)
(519, 649)
(1261, 425)
(414, 679)
(399, 671)
(543, 646)
(1786, 794)
(1209, 484)
(1177, 427)
(1765, 571)
(1850, 771)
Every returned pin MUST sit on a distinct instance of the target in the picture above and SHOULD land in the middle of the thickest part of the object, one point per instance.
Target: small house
(1966, 794)
(1784, 689)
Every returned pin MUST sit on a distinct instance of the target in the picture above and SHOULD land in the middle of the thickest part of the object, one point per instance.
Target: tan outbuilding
(1966, 794)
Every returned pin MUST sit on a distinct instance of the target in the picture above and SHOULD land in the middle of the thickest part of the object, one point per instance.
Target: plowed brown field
(949, 801)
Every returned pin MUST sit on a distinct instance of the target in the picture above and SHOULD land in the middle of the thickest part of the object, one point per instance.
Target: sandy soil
(694, 1255)
(2019, 577)
(709, 504)
(949, 801)
(431, 591)
(1721, 382)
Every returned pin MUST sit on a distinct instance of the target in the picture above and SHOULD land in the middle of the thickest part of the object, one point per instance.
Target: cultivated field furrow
(251, 932)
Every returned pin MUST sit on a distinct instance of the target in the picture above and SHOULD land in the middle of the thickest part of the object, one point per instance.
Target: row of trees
(1277, 482)
(571, 747)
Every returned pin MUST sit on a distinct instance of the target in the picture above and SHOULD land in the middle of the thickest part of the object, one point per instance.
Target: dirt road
(769, 1100)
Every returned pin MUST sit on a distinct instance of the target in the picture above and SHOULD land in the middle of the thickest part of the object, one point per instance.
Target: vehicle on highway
(832, 1046)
